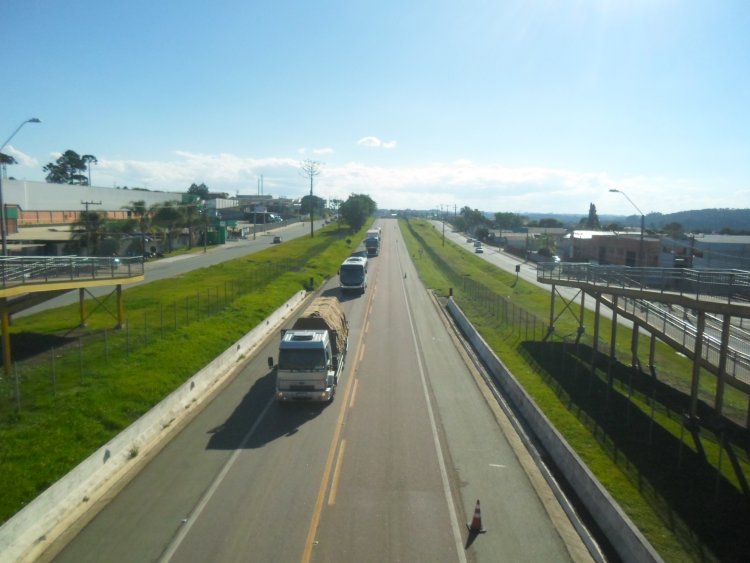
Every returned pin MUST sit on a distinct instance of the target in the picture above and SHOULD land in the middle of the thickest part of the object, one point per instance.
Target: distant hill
(703, 220)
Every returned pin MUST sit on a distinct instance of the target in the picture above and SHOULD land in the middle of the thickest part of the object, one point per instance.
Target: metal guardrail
(15, 270)
(715, 285)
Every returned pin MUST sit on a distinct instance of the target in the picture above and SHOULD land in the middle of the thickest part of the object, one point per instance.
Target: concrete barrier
(625, 538)
(37, 524)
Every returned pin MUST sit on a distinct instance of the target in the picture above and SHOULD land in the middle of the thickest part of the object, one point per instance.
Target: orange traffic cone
(476, 523)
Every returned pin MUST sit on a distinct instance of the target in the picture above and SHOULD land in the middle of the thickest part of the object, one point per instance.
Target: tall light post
(3, 225)
(643, 223)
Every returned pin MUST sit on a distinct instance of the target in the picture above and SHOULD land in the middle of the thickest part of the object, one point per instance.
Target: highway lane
(390, 471)
(423, 443)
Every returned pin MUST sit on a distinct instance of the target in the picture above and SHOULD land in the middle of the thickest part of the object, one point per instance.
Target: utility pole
(311, 168)
(87, 203)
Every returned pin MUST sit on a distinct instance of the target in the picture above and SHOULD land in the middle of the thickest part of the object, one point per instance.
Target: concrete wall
(623, 535)
(36, 525)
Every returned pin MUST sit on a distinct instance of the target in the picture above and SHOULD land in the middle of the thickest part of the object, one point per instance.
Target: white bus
(353, 274)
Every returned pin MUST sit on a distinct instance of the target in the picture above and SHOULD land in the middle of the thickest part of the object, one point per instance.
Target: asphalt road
(391, 471)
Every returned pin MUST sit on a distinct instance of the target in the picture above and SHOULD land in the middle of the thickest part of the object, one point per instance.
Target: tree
(88, 160)
(472, 219)
(551, 224)
(357, 209)
(201, 191)
(674, 229)
(169, 217)
(508, 221)
(138, 222)
(6, 159)
(592, 222)
(614, 226)
(90, 229)
(69, 169)
(318, 205)
(310, 169)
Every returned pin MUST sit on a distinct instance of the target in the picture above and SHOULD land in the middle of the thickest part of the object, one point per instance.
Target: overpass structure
(29, 281)
(699, 313)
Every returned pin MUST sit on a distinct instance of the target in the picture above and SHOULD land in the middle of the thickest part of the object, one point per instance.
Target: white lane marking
(498, 465)
(174, 546)
(441, 461)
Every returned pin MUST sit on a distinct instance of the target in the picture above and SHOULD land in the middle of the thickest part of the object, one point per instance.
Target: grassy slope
(53, 432)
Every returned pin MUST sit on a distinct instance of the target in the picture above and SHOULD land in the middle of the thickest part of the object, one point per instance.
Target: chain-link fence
(67, 362)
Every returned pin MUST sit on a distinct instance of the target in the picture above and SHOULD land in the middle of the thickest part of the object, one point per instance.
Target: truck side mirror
(270, 362)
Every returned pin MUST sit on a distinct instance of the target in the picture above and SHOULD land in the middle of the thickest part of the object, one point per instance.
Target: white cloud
(21, 158)
(459, 183)
(325, 150)
(374, 142)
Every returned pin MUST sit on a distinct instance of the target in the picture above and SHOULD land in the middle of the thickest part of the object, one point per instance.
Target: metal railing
(713, 285)
(28, 270)
(726, 286)
(683, 331)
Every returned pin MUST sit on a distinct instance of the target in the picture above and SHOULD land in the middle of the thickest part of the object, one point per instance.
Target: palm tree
(90, 230)
(140, 221)
(169, 217)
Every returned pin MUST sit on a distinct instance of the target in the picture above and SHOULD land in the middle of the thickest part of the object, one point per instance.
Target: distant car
(276, 240)
(556, 259)
(469, 240)
(479, 250)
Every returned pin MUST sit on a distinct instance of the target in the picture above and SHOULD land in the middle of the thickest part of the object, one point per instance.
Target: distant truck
(311, 353)
(353, 274)
(372, 242)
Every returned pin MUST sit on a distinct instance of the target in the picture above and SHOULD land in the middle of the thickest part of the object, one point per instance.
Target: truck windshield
(291, 360)
(352, 275)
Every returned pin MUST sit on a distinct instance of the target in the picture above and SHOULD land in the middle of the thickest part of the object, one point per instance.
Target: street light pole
(3, 224)
(643, 224)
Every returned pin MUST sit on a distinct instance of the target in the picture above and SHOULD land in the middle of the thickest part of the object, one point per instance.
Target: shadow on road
(281, 420)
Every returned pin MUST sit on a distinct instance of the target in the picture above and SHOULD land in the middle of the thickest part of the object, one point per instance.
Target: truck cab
(307, 369)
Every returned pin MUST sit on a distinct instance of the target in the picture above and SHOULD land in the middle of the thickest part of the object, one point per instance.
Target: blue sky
(514, 106)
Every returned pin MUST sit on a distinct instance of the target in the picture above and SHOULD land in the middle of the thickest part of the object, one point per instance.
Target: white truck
(311, 353)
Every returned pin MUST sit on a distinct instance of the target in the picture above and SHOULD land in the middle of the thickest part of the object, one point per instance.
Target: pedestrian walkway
(699, 313)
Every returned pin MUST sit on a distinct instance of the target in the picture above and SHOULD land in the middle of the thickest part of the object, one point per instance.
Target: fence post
(54, 375)
(80, 360)
(18, 387)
